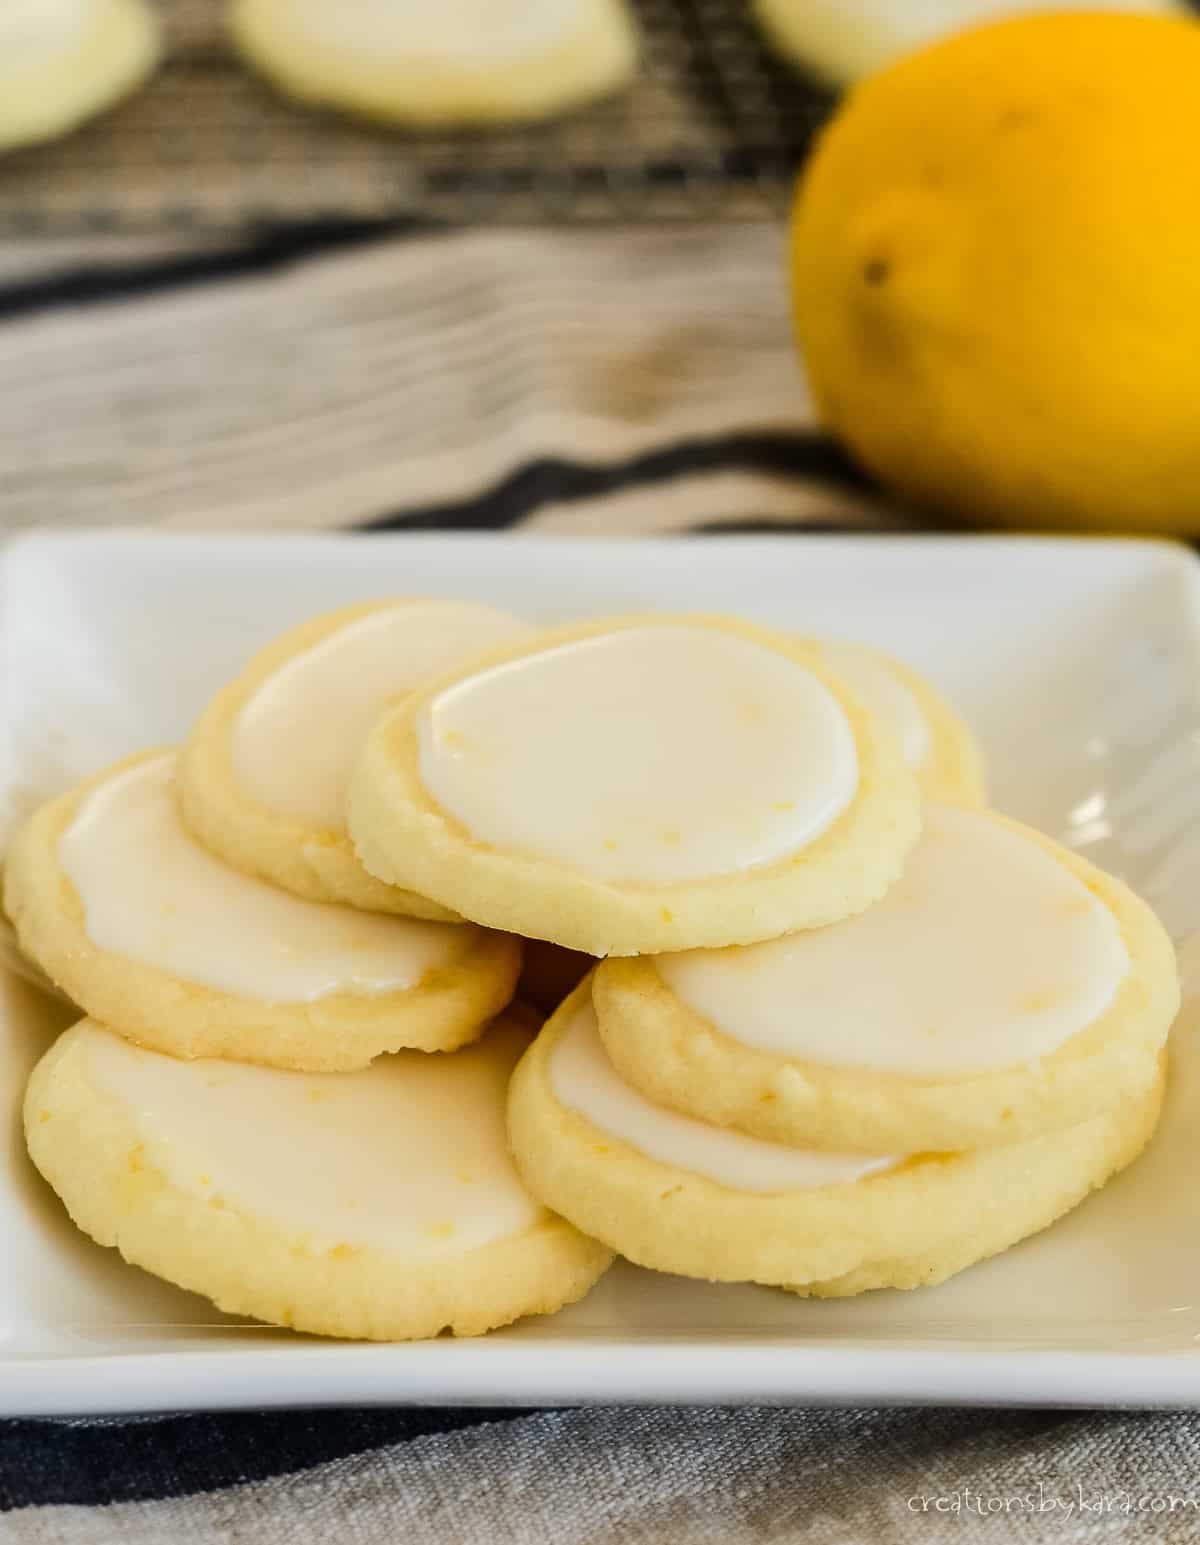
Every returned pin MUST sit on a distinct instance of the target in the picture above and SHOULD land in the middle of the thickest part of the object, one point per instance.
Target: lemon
(995, 262)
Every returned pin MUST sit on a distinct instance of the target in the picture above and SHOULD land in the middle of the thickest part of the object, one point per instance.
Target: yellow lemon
(995, 266)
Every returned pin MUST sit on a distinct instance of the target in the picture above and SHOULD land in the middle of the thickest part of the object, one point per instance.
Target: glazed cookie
(638, 784)
(839, 41)
(149, 933)
(678, 1195)
(937, 745)
(64, 61)
(458, 62)
(263, 776)
(1004, 987)
(380, 1204)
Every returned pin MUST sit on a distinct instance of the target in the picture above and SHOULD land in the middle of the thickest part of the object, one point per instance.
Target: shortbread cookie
(838, 41)
(1004, 987)
(380, 1204)
(457, 62)
(263, 776)
(937, 745)
(64, 61)
(681, 1196)
(638, 784)
(149, 933)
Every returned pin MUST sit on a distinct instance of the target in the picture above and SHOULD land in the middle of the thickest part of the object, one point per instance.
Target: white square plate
(1076, 661)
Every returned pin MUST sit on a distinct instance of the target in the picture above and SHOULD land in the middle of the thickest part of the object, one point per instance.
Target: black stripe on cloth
(89, 1464)
(274, 247)
(765, 526)
(554, 480)
(924, 522)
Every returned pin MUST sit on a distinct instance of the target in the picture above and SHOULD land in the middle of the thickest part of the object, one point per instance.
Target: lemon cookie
(638, 784)
(63, 61)
(937, 745)
(379, 1204)
(841, 40)
(678, 1195)
(148, 932)
(1003, 987)
(459, 62)
(262, 778)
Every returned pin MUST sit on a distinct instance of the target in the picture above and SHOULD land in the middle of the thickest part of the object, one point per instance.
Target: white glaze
(884, 694)
(153, 894)
(296, 740)
(467, 33)
(29, 27)
(985, 954)
(584, 1080)
(648, 755)
(410, 1155)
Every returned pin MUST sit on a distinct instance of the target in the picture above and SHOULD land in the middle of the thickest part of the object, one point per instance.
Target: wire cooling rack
(712, 128)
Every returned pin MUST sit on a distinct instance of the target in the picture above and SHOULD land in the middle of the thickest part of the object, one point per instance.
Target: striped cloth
(619, 381)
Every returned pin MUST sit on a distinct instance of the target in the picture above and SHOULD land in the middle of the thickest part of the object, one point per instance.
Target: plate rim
(774, 1371)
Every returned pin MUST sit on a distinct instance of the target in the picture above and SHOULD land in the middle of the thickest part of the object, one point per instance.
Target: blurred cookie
(937, 745)
(638, 784)
(64, 61)
(1004, 987)
(839, 41)
(678, 1195)
(457, 62)
(263, 775)
(380, 1204)
(151, 934)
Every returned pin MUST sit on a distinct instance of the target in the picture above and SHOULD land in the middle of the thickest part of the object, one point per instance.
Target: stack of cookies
(843, 1027)
(289, 1093)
